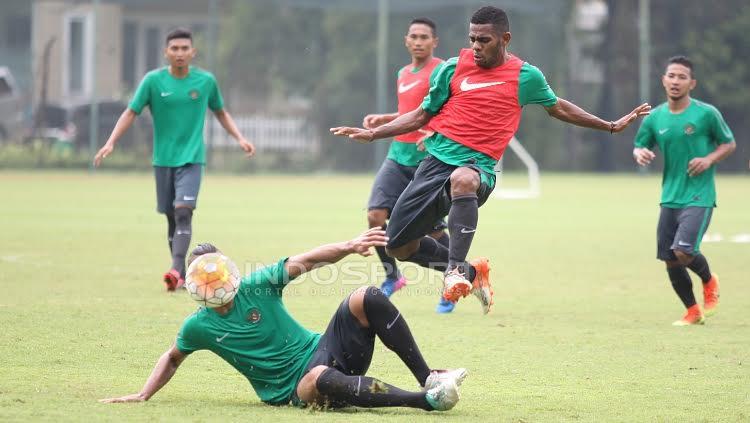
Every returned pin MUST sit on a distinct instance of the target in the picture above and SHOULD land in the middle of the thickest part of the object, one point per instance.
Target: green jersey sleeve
(188, 339)
(215, 100)
(533, 87)
(270, 280)
(720, 131)
(644, 138)
(440, 86)
(142, 96)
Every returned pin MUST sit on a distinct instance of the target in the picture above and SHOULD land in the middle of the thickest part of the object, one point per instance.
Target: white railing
(268, 133)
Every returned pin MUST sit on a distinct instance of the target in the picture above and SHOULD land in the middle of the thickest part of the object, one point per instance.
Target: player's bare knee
(357, 305)
(464, 181)
(376, 217)
(404, 252)
(307, 389)
(683, 258)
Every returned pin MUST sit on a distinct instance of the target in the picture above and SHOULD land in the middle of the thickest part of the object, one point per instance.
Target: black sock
(462, 224)
(389, 263)
(444, 240)
(170, 230)
(390, 326)
(364, 391)
(682, 285)
(430, 254)
(699, 266)
(181, 241)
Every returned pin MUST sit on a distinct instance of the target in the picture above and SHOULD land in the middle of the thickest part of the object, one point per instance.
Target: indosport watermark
(329, 279)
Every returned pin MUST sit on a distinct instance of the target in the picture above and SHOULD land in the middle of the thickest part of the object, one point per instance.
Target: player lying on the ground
(474, 107)
(286, 363)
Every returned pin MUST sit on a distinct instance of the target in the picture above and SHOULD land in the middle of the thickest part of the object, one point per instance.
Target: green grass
(581, 330)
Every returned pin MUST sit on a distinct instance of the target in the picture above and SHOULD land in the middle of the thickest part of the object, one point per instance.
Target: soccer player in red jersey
(474, 107)
(404, 154)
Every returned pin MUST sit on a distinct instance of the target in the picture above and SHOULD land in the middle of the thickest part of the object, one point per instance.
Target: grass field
(581, 330)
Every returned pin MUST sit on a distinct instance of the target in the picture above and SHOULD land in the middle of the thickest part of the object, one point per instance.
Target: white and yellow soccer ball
(212, 280)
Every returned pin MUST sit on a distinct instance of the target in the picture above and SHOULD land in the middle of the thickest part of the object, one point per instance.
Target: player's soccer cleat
(711, 296)
(173, 280)
(481, 286)
(457, 376)
(390, 286)
(694, 316)
(444, 396)
(445, 306)
(456, 286)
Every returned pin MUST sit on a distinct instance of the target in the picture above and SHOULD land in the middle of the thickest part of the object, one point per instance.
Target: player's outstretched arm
(408, 122)
(163, 371)
(372, 121)
(570, 113)
(331, 253)
(124, 122)
(231, 127)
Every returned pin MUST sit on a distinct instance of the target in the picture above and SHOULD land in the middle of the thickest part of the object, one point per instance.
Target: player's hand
(247, 147)
(698, 165)
(622, 123)
(643, 156)
(103, 153)
(374, 237)
(425, 135)
(360, 135)
(126, 398)
(372, 121)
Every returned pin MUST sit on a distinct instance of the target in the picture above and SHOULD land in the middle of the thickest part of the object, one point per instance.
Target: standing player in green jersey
(405, 153)
(693, 137)
(286, 363)
(178, 96)
(474, 108)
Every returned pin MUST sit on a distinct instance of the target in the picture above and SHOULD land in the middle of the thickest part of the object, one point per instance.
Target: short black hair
(492, 15)
(684, 61)
(425, 21)
(179, 32)
(201, 249)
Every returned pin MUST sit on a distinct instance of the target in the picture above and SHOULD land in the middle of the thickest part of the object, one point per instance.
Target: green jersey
(257, 336)
(178, 107)
(695, 132)
(532, 89)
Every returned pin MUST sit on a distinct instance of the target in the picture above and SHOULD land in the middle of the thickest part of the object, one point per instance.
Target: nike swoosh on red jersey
(468, 86)
(404, 88)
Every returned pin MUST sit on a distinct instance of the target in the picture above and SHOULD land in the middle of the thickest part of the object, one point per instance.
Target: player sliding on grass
(474, 107)
(693, 137)
(404, 154)
(287, 364)
(177, 96)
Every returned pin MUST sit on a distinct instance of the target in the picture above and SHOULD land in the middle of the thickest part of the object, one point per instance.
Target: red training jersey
(411, 88)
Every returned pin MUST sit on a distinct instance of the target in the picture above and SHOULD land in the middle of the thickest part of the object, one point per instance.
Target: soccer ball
(212, 280)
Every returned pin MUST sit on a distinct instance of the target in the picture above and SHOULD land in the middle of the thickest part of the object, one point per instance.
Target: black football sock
(699, 266)
(431, 254)
(170, 230)
(364, 391)
(682, 285)
(462, 224)
(444, 240)
(389, 263)
(183, 217)
(389, 325)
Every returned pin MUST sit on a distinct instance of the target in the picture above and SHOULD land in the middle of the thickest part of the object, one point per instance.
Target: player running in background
(404, 154)
(177, 96)
(474, 107)
(693, 137)
(286, 363)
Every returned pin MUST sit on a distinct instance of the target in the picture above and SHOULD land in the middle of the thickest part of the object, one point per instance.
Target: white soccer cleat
(456, 376)
(456, 286)
(444, 396)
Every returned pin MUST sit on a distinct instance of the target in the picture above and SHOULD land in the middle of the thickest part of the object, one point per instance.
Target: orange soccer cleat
(711, 295)
(694, 316)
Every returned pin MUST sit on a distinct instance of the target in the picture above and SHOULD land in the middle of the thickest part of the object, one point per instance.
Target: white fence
(267, 133)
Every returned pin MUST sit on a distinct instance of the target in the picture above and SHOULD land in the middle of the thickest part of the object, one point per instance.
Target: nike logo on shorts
(468, 86)
(684, 244)
(188, 198)
(465, 231)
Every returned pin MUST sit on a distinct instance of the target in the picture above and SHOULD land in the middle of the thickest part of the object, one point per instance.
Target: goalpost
(532, 190)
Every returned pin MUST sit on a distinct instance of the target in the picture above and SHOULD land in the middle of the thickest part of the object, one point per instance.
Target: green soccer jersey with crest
(178, 108)
(257, 336)
(695, 132)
